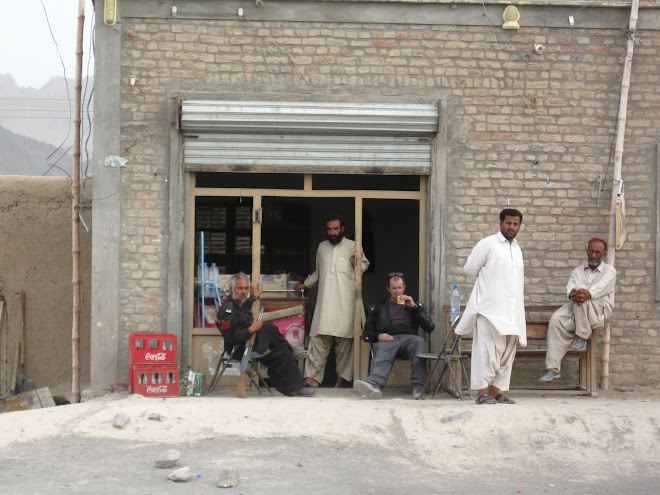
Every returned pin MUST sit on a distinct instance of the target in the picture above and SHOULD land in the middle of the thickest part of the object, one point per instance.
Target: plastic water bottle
(455, 303)
(214, 274)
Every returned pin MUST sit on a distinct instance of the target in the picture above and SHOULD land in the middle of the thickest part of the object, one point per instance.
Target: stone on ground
(168, 459)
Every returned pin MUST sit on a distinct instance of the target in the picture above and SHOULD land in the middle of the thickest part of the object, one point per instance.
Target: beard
(595, 263)
(238, 298)
(335, 239)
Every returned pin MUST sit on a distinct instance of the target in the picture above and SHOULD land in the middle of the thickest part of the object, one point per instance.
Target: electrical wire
(66, 84)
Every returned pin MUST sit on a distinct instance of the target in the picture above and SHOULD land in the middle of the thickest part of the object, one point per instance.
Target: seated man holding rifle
(237, 325)
(391, 328)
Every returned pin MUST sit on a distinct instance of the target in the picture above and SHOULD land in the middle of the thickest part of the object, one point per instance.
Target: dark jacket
(233, 322)
(379, 320)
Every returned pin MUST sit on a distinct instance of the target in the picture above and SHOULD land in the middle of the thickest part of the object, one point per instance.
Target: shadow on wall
(35, 242)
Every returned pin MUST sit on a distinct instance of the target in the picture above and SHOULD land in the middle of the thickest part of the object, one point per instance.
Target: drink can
(399, 300)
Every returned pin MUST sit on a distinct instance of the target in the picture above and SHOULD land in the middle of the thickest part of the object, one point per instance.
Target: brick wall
(532, 131)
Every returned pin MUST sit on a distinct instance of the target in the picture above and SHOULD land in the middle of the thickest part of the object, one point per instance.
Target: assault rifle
(245, 361)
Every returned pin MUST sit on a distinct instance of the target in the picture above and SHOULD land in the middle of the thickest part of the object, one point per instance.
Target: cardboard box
(193, 384)
(275, 283)
(34, 399)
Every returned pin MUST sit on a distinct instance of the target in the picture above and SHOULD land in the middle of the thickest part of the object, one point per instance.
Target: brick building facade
(534, 131)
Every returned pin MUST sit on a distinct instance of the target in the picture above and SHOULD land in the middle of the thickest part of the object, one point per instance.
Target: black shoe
(579, 344)
(367, 390)
(343, 384)
(305, 392)
(550, 375)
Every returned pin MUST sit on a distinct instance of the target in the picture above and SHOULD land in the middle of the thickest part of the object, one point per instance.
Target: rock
(181, 474)
(228, 478)
(449, 419)
(540, 440)
(155, 417)
(168, 459)
(120, 420)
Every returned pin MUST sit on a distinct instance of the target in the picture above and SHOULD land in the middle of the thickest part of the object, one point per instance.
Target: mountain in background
(35, 122)
(20, 155)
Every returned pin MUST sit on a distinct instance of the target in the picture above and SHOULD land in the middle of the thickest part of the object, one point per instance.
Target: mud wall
(35, 258)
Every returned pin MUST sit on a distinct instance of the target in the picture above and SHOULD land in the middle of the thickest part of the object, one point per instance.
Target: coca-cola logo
(159, 356)
(160, 389)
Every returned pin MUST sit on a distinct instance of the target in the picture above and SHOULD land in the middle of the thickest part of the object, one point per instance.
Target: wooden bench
(537, 321)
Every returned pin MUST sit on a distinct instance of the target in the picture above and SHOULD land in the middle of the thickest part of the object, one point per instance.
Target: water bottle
(214, 274)
(205, 272)
(455, 304)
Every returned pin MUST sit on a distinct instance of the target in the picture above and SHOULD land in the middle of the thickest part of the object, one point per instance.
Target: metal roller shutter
(308, 137)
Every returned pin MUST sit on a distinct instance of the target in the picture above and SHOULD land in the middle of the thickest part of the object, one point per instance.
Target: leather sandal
(485, 399)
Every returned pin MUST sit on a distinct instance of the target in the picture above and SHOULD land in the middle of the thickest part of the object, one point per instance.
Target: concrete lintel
(586, 15)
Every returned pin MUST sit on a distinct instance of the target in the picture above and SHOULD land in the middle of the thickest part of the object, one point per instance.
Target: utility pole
(75, 212)
(616, 178)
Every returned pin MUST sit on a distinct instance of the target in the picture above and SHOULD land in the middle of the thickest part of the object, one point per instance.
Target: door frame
(361, 349)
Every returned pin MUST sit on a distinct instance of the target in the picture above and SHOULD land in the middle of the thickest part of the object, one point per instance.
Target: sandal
(503, 399)
(485, 399)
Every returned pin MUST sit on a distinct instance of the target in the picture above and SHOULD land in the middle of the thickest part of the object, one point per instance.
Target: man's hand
(254, 292)
(299, 286)
(408, 301)
(385, 337)
(353, 257)
(255, 327)
(578, 296)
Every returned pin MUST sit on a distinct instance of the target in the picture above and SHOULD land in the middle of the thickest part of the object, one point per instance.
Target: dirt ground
(339, 443)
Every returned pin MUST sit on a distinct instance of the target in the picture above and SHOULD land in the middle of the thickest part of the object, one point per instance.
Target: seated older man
(590, 291)
(391, 327)
(237, 324)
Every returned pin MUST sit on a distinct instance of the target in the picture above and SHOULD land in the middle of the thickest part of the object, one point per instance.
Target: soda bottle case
(155, 381)
(152, 348)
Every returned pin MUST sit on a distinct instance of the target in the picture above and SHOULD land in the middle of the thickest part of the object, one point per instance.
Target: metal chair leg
(218, 374)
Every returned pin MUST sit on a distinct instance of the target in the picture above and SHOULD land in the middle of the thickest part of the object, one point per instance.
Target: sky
(28, 51)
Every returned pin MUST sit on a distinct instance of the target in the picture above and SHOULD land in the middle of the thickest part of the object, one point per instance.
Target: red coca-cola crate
(155, 381)
(152, 348)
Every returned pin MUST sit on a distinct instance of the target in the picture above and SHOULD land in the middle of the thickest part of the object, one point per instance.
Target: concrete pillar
(106, 207)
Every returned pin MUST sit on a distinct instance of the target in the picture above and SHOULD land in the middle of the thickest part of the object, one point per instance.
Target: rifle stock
(241, 391)
(245, 362)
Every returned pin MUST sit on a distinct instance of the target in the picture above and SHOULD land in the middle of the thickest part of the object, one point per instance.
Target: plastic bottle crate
(155, 381)
(152, 348)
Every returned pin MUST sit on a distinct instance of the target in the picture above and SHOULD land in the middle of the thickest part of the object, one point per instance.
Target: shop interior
(291, 229)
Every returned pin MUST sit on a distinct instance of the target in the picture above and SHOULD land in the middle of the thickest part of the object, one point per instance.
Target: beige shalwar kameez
(333, 315)
(495, 313)
(580, 319)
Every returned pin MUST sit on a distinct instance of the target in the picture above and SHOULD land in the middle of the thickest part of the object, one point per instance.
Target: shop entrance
(271, 231)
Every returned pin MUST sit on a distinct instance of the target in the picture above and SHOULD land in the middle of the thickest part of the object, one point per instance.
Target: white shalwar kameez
(573, 319)
(495, 313)
(333, 314)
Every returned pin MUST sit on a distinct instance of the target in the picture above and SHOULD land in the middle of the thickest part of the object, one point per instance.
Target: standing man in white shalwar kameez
(333, 315)
(495, 313)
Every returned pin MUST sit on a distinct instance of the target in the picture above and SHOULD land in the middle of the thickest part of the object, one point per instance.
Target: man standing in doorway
(495, 313)
(590, 291)
(333, 315)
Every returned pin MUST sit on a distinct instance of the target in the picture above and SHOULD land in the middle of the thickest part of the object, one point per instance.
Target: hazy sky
(27, 49)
